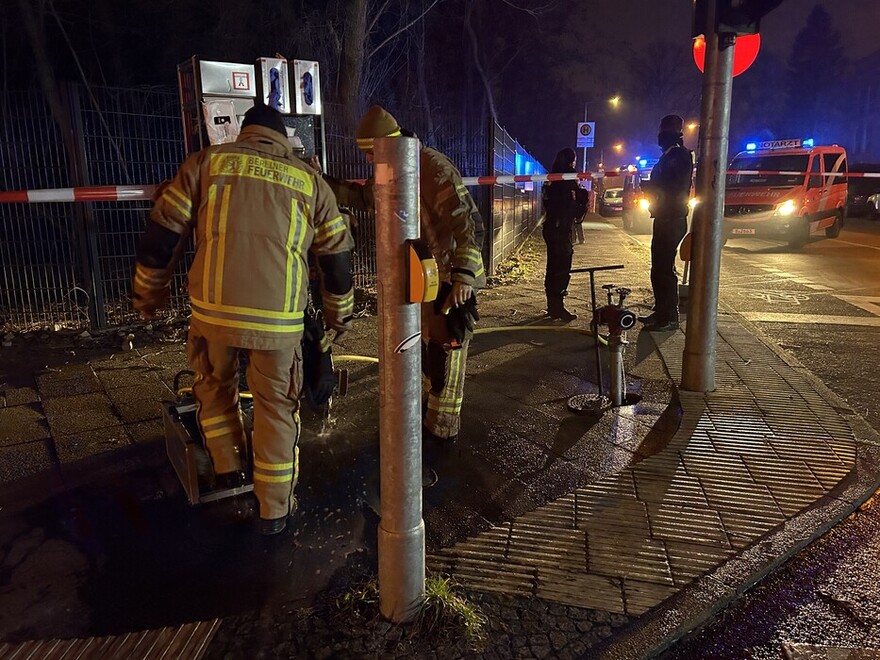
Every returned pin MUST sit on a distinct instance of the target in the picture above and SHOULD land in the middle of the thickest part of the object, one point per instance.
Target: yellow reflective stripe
(219, 432)
(151, 274)
(251, 311)
(328, 229)
(480, 271)
(265, 169)
(325, 344)
(339, 304)
(229, 417)
(221, 244)
(288, 250)
(177, 199)
(247, 325)
(299, 229)
(367, 143)
(209, 239)
(272, 480)
(184, 211)
(151, 283)
(272, 466)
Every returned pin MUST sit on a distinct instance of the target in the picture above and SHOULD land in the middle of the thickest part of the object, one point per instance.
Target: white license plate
(743, 231)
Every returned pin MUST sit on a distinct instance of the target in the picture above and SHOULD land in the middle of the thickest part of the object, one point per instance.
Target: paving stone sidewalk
(577, 536)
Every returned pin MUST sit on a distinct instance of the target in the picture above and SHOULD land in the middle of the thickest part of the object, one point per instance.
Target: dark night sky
(608, 27)
(582, 50)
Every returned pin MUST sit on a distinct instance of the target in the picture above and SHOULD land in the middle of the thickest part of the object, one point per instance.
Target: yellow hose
(356, 358)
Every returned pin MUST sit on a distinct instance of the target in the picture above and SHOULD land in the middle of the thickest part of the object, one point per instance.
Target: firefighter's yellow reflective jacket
(256, 210)
(450, 220)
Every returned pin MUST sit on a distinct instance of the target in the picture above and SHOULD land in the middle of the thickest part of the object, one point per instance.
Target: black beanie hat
(263, 115)
(672, 123)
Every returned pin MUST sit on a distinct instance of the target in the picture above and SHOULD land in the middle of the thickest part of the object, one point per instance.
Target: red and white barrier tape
(140, 193)
(86, 194)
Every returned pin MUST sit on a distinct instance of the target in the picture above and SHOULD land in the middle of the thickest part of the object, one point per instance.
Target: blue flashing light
(643, 162)
(809, 142)
(751, 146)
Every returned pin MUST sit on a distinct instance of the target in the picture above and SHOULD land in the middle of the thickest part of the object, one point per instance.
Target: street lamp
(692, 125)
(614, 102)
(618, 147)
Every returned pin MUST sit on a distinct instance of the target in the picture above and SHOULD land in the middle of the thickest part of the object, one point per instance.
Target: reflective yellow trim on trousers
(273, 466)
(221, 244)
(248, 325)
(272, 480)
(209, 239)
(229, 417)
(219, 433)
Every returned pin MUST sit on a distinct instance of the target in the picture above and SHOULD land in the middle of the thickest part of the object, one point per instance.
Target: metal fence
(70, 264)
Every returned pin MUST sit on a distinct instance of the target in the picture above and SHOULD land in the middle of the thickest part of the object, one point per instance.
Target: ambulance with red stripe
(785, 190)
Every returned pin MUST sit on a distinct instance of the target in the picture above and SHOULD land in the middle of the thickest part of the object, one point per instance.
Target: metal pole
(698, 368)
(615, 357)
(584, 169)
(401, 530)
(595, 331)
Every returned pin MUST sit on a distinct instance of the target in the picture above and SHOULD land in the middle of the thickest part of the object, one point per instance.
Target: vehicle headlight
(644, 204)
(692, 202)
(786, 208)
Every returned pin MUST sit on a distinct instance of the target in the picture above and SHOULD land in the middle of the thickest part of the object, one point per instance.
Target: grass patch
(445, 613)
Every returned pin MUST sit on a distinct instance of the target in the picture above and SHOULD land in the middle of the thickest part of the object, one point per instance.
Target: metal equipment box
(185, 449)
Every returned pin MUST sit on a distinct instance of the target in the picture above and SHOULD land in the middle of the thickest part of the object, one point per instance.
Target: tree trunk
(33, 17)
(351, 64)
(423, 85)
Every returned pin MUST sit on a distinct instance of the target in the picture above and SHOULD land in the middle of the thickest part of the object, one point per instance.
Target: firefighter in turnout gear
(453, 229)
(256, 210)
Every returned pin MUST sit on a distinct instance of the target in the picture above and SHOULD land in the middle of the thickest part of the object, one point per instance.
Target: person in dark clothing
(668, 191)
(560, 200)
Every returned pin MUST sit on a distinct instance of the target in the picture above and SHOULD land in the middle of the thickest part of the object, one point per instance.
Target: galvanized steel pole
(698, 368)
(401, 530)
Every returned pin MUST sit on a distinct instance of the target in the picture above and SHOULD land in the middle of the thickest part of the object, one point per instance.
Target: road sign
(745, 52)
(586, 134)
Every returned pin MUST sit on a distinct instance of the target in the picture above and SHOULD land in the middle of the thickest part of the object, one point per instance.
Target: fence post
(401, 529)
(489, 257)
(87, 241)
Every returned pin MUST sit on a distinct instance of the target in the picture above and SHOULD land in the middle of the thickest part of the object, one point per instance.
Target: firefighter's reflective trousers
(444, 372)
(275, 380)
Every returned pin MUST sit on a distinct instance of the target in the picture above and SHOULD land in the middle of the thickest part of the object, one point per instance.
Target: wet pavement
(562, 527)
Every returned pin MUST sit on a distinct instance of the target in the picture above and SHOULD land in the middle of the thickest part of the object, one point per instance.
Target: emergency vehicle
(785, 190)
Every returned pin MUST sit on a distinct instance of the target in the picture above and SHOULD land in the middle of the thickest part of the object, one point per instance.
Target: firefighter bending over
(453, 229)
(256, 211)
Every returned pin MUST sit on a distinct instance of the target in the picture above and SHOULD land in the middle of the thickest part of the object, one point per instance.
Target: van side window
(815, 172)
(835, 162)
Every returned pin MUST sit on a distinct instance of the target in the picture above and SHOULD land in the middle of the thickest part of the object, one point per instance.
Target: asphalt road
(822, 305)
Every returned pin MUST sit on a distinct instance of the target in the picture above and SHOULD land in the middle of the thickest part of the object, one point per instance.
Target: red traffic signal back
(732, 16)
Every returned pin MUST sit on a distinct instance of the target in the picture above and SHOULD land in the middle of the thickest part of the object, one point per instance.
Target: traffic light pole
(401, 529)
(698, 368)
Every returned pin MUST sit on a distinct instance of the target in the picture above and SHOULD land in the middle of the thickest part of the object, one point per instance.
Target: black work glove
(461, 320)
(319, 381)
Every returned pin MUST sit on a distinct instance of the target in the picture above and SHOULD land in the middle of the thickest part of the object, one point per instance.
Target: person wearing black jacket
(668, 192)
(560, 199)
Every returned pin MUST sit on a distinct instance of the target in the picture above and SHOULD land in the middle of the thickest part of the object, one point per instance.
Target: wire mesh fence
(70, 264)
